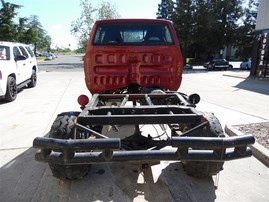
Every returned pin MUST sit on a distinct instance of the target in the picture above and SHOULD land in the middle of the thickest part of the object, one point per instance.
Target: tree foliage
(165, 9)
(36, 35)
(107, 11)
(205, 27)
(183, 22)
(7, 26)
(28, 30)
(244, 41)
(81, 28)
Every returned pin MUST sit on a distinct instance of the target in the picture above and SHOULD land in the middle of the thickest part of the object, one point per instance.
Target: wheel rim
(13, 88)
(34, 78)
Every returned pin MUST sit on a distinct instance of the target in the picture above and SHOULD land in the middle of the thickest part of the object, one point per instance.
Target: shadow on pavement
(24, 179)
(204, 70)
(19, 90)
(172, 184)
(261, 87)
(61, 65)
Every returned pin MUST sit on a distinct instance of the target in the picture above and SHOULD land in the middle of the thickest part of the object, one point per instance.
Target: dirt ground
(259, 130)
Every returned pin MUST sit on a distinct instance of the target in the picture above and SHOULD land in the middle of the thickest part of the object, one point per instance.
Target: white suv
(18, 68)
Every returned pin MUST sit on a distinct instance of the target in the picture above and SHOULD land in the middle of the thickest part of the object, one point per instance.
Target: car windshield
(30, 51)
(132, 34)
(4, 53)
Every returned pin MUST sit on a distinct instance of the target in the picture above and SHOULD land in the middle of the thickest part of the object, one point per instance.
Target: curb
(236, 76)
(258, 151)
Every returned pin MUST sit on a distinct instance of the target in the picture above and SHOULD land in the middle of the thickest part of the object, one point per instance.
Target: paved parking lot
(31, 115)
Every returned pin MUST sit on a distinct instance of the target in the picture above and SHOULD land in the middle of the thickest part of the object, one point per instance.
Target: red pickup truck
(143, 52)
(133, 68)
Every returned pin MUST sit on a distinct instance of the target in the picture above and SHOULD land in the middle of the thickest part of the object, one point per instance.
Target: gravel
(259, 130)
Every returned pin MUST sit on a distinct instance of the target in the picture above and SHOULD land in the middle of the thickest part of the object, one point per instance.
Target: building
(260, 56)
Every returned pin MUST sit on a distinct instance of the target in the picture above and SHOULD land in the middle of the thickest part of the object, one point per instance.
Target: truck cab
(128, 52)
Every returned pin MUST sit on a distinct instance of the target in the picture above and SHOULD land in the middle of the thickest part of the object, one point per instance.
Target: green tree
(182, 18)
(216, 26)
(107, 11)
(244, 41)
(230, 13)
(21, 29)
(30, 31)
(165, 9)
(7, 26)
(81, 28)
(204, 27)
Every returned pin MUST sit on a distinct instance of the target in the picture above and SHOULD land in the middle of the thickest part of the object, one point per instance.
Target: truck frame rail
(189, 145)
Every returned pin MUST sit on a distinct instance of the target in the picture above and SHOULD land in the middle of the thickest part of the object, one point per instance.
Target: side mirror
(20, 57)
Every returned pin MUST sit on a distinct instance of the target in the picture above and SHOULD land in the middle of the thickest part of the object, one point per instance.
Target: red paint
(109, 67)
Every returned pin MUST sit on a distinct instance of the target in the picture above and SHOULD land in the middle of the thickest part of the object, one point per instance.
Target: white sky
(56, 16)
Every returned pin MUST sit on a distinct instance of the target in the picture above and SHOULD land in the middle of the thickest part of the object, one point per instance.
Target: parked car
(18, 68)
(217, 64)
(38, 54)
(50, 56)
(246, 64)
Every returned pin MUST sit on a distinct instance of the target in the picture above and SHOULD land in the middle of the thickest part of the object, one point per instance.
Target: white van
(18, 68)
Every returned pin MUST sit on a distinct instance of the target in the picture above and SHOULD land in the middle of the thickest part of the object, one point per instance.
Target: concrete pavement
(259, 151)
(252, 105)
(31, 115)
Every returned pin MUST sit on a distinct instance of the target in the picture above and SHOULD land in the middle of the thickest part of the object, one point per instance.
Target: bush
(190, 60)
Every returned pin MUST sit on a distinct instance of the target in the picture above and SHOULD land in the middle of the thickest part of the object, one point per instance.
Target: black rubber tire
(62, 128)
(12, 91)
(210, 68)
(33, 79)
(203, 169)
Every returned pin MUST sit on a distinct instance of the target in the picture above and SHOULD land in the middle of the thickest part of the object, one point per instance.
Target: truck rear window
(132, 34)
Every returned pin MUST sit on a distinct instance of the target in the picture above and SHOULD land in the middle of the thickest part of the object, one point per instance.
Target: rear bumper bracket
(90, 151)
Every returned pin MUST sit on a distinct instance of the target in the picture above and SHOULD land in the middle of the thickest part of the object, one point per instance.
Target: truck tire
(33, 79)
(11, 93)
(62, 128)
(203, 169)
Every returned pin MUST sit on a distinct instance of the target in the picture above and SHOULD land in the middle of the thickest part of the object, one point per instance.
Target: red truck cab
(123, 52)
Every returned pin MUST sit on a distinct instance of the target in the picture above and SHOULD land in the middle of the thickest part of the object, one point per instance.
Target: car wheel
(33, 79)
(11, 93)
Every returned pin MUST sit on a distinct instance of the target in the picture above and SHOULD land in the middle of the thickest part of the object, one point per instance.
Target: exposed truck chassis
(187, 140)
(133, 68)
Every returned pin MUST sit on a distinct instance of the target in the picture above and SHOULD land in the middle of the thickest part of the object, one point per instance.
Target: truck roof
(133, 20)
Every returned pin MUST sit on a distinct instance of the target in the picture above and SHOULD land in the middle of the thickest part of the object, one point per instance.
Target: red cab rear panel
(122, 52)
